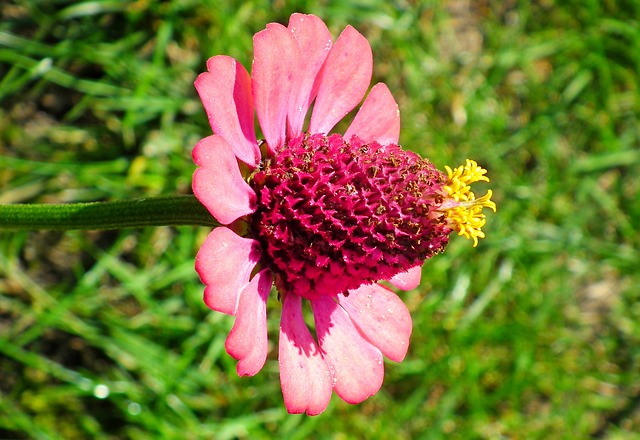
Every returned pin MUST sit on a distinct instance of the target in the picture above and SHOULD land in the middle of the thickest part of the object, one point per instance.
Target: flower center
(463, 210)
(333, 215)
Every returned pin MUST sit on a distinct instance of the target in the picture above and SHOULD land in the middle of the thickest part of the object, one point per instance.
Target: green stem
(152, 211)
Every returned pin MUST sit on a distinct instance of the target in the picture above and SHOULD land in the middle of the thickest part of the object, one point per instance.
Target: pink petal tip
(224, 263)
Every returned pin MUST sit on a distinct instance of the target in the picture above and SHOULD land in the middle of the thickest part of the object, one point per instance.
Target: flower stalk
(148, 211)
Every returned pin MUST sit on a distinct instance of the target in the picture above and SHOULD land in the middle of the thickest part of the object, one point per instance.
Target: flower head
(323, 216)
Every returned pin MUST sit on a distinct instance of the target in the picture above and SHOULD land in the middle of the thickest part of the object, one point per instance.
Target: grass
(534, 334)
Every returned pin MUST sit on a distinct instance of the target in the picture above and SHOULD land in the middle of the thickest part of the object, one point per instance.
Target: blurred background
(535, 334)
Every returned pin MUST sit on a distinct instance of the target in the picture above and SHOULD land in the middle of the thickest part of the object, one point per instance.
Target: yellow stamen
(463, 210)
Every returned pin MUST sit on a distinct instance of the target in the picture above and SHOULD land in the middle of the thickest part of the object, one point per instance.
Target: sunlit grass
(534, 334)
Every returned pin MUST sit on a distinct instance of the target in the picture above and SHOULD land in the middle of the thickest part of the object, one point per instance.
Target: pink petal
(382, 318)
(314, 40)
(224, 263)
(275, 65)
(378, 119)
(345, 79)
(408, 280)
(247, 340)
(225, 91)
(357, 364)
(218, 183)
(304, 375)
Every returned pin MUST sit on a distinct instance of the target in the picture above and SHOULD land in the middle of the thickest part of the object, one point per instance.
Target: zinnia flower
(323, 216)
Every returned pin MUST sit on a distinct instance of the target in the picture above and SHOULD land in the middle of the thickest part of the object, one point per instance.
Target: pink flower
(324, 216)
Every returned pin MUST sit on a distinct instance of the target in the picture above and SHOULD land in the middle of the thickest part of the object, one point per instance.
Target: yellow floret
(463, 210)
